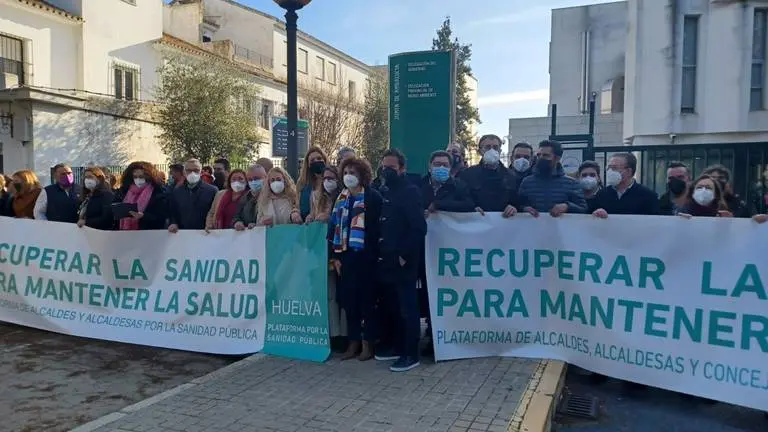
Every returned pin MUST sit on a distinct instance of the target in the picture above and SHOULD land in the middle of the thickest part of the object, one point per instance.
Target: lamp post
(291, 6)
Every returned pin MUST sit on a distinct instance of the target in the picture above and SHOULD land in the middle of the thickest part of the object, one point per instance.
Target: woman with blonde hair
(26, 189)
(311, 179)
(323, 201)
(96, 206)
(277, 202)
(227, 201)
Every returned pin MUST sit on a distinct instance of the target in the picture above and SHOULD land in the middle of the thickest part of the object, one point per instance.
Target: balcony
(239, 53)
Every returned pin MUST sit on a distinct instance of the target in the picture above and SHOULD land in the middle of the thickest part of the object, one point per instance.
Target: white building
(684, 73)
(78, 75)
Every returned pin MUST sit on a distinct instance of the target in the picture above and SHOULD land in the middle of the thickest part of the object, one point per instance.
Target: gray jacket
(544, 192)
(189, 206)
(248, 212)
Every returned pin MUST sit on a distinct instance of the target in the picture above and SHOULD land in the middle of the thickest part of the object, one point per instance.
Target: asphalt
(654, 410)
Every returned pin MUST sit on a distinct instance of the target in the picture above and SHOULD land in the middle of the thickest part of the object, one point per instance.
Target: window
(352, 90)
(690, 54)
(266, 114)
(759, 48)
(125, 80)
(207, 36)
(12, 59)
(130, 2)
(320, 66)
(332, 73)
(303, 58)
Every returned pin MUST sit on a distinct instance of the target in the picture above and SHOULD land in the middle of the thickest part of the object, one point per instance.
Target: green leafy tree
(375, 121)
(465, 112)
(206, 110)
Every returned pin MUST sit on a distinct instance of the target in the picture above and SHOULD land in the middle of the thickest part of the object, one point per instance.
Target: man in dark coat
(189, 204)
(60, 201)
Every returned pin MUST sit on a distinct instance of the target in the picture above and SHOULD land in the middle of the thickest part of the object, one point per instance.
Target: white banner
(191, 291)
(672, 303)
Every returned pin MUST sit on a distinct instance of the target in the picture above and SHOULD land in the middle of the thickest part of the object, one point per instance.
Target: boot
(367, 353)
(352, 349)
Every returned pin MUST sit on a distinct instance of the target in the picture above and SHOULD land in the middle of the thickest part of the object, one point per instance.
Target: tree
(206, 110)
(334, 119)
(375, 122)
(465, 112)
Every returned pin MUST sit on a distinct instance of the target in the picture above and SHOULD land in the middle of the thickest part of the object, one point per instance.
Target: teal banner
(297, 292)
(422, 104)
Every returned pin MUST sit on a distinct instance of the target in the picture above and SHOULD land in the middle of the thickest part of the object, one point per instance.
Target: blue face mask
(441, 174)
(256, 185)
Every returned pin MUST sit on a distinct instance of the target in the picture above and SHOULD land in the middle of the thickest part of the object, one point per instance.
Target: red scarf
(140, 197)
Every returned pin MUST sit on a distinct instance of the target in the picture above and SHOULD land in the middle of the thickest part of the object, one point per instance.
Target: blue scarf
(349, 227)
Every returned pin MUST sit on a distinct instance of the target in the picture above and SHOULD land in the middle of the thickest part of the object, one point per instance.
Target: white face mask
(193, 177)
(238, 186)
(351, 181)
(90, 183)
(703, 196)
(330, 185)
(612, 177)
(521, 164)
(277, 186)
(588, 183)
(491, 157)
(139, 182)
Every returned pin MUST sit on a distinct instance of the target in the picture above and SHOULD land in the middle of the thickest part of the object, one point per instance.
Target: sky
(509, 38)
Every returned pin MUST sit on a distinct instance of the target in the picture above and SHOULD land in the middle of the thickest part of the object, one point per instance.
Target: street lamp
(291, 6)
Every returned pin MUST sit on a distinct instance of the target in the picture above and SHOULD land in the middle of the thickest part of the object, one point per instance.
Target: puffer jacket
(543, 192)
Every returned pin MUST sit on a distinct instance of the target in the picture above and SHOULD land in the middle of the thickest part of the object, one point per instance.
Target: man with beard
(678, 177)
(220, 173)
(548, 189)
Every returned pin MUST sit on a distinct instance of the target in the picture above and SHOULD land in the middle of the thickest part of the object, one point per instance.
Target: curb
(117, 415)
(537, 405)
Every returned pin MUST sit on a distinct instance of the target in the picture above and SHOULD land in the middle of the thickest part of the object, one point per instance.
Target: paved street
(53, 382)
(273, 394)
(655, 410)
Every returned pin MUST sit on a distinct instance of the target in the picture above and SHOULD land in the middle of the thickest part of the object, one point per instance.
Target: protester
(95, 209)
(458, 163)
(704, 199)
(589, 179)
(26, 190)
(310, 182)
(221, 169)
(247, 214)
(206, 175)
(177, 176)
(59, 202)
(277, 203)
(492, 186)
(141, 185)
(189, 204)
(522, 162)
(353, 231)
(266, 163)
(402, 229)
(548, 189)
(322, 205)
(624, 195)
(227, 201)
(678, 177)
(343, 154)
(4, 196)
(722, 176)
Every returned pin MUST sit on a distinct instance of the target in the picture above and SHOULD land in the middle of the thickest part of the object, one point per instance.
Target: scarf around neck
(349, 225)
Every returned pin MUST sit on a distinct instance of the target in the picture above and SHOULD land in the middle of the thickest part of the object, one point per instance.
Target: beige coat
(279, 209)
(319, 212)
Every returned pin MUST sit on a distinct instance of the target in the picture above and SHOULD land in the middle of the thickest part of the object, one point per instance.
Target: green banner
(422, 104)
(297, 292)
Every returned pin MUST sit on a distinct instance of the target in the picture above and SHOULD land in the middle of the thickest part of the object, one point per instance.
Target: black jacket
(738, 207)
(98, 211)
(451, 196)
(637, 200)
(62, 205)
(156, 211)
(491, 189)
(403, 229)
(189, 206)
(5, 202)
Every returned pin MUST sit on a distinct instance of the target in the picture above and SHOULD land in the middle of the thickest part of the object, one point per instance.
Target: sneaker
(404, 364)
(384, 354)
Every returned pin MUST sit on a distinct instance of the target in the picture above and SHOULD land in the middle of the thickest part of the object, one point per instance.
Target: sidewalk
(264, 393)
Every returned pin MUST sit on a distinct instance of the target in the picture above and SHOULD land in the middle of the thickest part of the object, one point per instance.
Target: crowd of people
(376, 218)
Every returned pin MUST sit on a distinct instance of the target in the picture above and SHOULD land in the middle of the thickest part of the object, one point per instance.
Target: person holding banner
(277, 204)
(247, 214)
(522, 161)
(403, 229)
(311, 179)
(678, 176)
(549, 190)
(353, 231)
(704, 199)
(59, 202)
(227, 201)
(26, 190)
(96, 207)
(492, 186)
(458, 164)
(141, 186)
(624, 195)
(589, 179)
(189, 204)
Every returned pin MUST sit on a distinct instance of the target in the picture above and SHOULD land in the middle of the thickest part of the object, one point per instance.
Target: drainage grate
(579, 406)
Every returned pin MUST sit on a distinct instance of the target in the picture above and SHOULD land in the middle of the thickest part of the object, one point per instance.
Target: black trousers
(356, 295)
(398, 301)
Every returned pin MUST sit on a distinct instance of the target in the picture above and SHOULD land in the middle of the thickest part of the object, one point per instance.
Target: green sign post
(422, 104)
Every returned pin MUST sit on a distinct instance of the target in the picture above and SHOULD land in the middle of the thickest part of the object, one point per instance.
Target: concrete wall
(607, 27)
(472, 86)
(535, 129)
(50, 42)
(246, 27)
(183, 21)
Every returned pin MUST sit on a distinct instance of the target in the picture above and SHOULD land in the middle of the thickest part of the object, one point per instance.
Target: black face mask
(390, 175)
(317, 167)
(457, 160)
(544, 166)
(676, 186)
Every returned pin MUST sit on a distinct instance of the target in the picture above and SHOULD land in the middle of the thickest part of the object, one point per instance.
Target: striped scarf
(349, 227)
